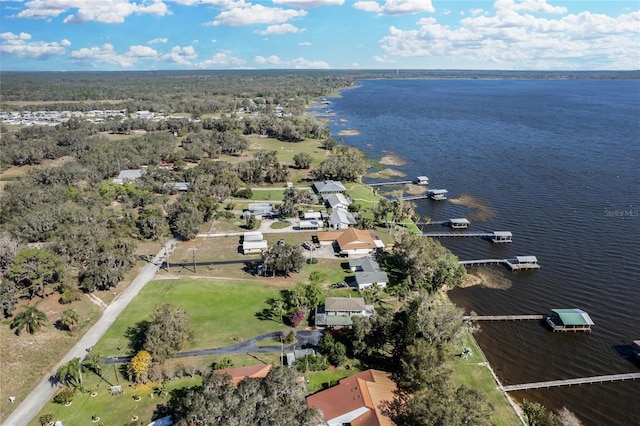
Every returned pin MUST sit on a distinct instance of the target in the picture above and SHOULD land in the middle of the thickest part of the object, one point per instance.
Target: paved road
(32, 405)
(306, 339)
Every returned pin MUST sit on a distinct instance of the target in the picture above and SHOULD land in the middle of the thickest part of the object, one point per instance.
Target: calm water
(557, 162)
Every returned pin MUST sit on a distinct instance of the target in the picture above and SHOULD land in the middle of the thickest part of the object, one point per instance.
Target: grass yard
(112, 409)
(320, 380)
(27, 358)
(474, 373)
(222, 313)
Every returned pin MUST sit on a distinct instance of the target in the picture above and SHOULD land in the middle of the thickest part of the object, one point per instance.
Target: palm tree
(95, 362)
(70, 319)
(70, 373)
(32, 319)
(278, 308)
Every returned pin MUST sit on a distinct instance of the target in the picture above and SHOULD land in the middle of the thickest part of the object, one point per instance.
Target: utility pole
(193, 254)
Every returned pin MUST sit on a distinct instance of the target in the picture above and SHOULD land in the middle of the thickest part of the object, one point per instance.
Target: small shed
(569, 320)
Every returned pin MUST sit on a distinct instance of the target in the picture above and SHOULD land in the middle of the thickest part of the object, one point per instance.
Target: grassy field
(474, 372)
(222, 313)
(320, 380)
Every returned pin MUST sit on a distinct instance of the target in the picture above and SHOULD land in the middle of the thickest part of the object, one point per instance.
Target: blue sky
(65, 35)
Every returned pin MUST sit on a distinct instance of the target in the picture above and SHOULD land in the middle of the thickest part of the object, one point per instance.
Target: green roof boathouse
(569, 320)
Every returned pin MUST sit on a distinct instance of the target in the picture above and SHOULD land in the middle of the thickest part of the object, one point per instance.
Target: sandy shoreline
(392, 159)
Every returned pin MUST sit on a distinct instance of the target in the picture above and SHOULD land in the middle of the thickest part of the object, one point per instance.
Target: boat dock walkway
(570, 382)
(399, 182)
(459, 234)
(516, 264)
(503, 317)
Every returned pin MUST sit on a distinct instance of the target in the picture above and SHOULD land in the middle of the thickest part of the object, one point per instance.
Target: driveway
(32, 405)
(305, 339)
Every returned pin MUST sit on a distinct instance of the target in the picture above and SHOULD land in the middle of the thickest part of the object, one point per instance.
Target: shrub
(296, 318)
(290, 337)
(244, 193)
(45, 419)
(64, 396)
(69, 295)
(311, 363)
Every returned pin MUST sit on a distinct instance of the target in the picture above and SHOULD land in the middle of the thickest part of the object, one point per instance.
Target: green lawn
(222, 313)
(320, 380)
(111, 409)
(474, 373)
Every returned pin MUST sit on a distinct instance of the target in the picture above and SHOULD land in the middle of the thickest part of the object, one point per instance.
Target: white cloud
(382, 59)
(395, 7)
(163, 40)
(181, 55)
(271, 60)
(256, 14)
(106, 11)
(142, 52)
(20, 45)
(298, 63)
(105, 54)
(519, 39)
(281, 29)
(309, 3)
(222, 58)
(301, 63)
(537, 6)
(305, 43)
(367, 6)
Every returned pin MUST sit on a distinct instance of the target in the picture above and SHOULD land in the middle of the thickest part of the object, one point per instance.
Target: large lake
(557, 163)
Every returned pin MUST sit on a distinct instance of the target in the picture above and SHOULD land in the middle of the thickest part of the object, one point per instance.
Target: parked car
(341, 284)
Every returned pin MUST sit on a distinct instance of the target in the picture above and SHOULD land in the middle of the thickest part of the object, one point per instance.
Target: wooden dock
(503, 317)
(399, 182)
(571, 382)
(517, 264)
(459, 234)
(495, 237)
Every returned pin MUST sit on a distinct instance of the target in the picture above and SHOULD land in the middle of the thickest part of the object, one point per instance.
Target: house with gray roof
(368, 272)
(329, 187)
(341, 219)
(126, 176)
(336, 201)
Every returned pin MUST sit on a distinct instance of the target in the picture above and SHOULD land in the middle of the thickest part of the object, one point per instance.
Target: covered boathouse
(569, 320)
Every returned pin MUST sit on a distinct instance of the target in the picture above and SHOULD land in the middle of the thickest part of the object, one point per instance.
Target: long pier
(570, 382)
(503, 317)
(516, 264)
(494, 237)
(459, 234)
(399, 182)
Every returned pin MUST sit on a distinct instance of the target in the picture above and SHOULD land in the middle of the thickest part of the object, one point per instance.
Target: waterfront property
(356, 400)
(368, 272)
(570, 382)
(351, 242)
(341, 219)
(569, 320)
(329, 187)
(337, 311)
(437, 194)
(336, 201)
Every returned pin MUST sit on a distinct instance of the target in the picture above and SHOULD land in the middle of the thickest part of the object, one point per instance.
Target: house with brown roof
(238, 374)
(351, 241)
(356, 400)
